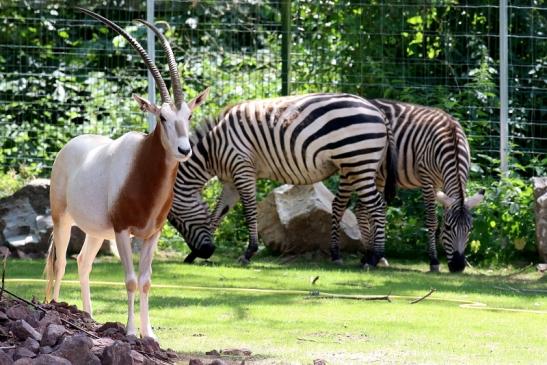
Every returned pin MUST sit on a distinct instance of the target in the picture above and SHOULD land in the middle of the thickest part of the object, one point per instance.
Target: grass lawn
(197, 308)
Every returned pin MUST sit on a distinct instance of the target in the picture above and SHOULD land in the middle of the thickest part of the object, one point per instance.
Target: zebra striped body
(295, 140)
(433, 154)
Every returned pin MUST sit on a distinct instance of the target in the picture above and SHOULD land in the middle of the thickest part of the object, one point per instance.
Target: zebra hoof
(383, 262)
(338, 262)
(244, 261)
(434, 268)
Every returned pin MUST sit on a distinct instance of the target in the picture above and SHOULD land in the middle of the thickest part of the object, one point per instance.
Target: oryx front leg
(123, 242)
(145, 282)
(85, 261)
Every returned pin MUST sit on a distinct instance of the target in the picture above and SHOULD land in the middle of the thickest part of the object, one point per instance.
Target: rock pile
(42, 336)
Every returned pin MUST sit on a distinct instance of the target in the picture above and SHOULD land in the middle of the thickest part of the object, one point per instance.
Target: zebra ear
(444, 199)
(474, 200)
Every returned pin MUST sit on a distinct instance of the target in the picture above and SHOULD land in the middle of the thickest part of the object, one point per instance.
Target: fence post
(151, 49)
(504, 92)
(285, 46)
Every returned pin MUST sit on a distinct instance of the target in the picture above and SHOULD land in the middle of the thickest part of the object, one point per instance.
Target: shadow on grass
(402, 278)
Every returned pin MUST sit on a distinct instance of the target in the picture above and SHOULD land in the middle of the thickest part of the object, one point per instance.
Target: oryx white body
(93, 186)
(115, 189)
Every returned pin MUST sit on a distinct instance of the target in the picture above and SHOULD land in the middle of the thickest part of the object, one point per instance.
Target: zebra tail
(390, 189)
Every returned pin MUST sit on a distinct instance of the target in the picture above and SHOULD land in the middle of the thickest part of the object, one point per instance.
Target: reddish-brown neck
(146, 196)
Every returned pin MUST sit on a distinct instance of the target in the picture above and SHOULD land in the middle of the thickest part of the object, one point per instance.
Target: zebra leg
(228, 198)
(371, 215)
(339, 206)
(431, 224)
(245, 183)
(366, 232)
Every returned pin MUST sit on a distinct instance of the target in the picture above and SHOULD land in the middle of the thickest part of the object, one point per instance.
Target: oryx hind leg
(85, 261)
(61, 237)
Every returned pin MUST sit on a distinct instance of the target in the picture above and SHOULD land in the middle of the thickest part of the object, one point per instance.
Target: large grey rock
(52, 334)
(540, 195)
(297, 219)
(77, 350)
(117, 353)
(26, 225)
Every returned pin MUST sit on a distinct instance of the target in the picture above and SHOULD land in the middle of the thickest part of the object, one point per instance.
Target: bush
(504, 226)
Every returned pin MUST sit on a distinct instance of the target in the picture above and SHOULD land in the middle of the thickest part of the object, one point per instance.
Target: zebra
(433, 154)
(297, 140)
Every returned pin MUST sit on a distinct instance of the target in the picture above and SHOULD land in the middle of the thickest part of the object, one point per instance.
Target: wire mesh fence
(63, 74)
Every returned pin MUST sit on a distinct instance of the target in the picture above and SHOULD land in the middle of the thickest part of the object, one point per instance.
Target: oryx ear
(474, 200)
(146, 106)
(198, 100)
(444, 199)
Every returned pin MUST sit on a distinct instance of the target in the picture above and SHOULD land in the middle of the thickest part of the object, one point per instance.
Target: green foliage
(12, 181)
(63, 74)
(504, 225)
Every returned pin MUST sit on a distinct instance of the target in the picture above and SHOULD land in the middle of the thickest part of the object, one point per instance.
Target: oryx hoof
(243, 261)
(382, 262)
(434, 268)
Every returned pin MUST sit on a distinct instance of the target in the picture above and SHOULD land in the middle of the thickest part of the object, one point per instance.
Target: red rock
(21, 352)
(53, 334)
(77, 350)
(24, 361)
(21, 329)
(50, 360)
(3, 316)
(213, 353)
(117, 326)
(32, 345)
(117, 353)
(236, 352)
(46, 350)
(5, 359)
(18, 311)
(150, 345)
(217, 362)
(49, 318)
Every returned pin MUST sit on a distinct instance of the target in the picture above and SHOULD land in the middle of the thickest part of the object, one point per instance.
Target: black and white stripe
(433, 154)
(296, 140)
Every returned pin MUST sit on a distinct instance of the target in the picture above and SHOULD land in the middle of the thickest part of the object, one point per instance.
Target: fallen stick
(353, 297)
(422, 298)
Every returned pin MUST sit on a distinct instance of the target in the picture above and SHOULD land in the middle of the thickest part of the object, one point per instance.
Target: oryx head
(172, 117)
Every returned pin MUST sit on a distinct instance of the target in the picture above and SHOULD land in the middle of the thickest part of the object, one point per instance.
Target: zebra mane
(207, 125)
(456, 143)
(202, 129)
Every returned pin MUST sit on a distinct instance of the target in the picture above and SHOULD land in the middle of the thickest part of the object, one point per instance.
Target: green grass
(207, 308)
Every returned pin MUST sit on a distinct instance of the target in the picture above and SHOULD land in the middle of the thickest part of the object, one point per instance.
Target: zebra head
(457, 224)
(190, 216)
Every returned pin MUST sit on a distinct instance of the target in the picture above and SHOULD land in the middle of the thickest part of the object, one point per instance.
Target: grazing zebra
(296, 140)
(433, 154)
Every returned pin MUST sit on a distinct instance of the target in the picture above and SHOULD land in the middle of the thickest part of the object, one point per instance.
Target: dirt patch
(327, 337)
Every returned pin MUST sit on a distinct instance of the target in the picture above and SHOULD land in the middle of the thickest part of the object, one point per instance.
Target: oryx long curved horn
(173, 70)
(164, 92)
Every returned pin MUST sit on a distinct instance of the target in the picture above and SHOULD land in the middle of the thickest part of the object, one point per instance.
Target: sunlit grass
(197, 308)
